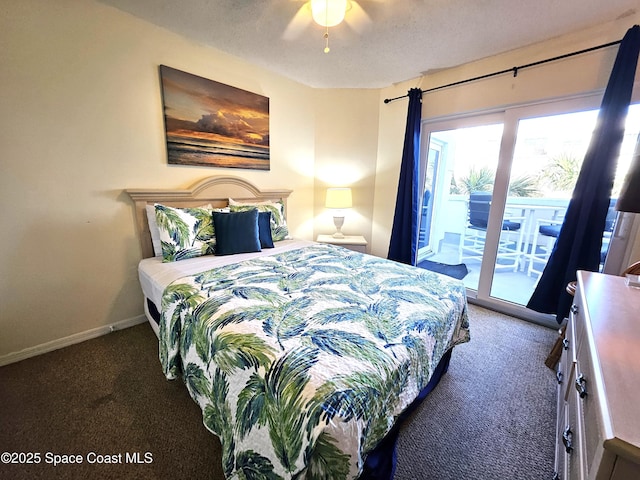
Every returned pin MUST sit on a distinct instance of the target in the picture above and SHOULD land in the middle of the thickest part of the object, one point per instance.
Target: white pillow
(279, 228)
(153, 229)
(185, 232)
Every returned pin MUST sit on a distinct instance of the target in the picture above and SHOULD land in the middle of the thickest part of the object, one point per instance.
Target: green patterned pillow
(185, 232)
(279, 229)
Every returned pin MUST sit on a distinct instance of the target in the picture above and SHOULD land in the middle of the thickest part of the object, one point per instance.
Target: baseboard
(70, 340)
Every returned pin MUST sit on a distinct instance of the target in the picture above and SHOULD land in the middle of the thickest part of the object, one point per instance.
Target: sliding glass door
(468, 158)
(546, 161)
(430, 175)
(500, 189)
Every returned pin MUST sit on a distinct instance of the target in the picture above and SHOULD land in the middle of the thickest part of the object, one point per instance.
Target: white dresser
(598, 426)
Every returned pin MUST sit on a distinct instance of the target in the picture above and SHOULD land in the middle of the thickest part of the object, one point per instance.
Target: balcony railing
(513, 284)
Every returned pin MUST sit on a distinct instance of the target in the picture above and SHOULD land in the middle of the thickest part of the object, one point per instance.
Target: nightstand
(357, 243)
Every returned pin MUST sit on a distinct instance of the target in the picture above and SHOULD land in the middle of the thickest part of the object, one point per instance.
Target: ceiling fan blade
(298, 23)
(357, 18)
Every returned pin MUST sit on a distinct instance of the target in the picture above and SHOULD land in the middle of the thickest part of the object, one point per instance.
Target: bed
(303, 357)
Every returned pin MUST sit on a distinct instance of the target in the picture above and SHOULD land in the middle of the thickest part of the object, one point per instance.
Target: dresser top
(613, 331)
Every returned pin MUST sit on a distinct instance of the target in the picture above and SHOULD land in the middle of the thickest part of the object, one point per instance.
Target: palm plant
(561, 173)
(524, 186)
(480, 180)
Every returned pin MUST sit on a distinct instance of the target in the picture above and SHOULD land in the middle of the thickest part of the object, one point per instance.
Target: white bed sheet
(155, 275)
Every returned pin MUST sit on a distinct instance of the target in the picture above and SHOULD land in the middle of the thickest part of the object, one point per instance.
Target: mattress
(156, 275)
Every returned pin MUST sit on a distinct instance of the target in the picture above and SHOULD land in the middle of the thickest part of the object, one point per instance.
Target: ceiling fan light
(328, 13)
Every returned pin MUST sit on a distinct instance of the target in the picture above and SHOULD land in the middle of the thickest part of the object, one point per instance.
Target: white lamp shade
(328, 13)
(338, 198)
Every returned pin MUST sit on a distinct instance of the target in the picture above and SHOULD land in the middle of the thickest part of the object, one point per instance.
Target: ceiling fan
(327, 13)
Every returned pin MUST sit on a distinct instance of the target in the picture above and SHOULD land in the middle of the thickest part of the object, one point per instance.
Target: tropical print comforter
(302, 361)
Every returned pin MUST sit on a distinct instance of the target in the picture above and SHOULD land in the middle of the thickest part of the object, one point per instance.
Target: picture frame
(208, 123)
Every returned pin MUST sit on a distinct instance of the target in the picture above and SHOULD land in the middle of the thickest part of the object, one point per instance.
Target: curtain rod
(513, 70)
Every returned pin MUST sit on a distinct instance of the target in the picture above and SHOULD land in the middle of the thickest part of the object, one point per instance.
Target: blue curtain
(403, 246)
(580, 240)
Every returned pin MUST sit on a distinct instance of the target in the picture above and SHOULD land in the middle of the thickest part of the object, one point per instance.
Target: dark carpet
(492, 416)
(458, 271)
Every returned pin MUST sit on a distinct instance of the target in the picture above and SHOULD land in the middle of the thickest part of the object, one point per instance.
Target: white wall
(346, 140)
(80, 121)
(577, 75)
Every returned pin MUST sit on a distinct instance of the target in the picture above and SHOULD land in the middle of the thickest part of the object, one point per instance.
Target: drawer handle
(565, 343)
(575, 309)
(559, 376)
(581, 386)
(567, 439)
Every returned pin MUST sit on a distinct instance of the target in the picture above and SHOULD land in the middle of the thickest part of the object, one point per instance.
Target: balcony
(515, 283)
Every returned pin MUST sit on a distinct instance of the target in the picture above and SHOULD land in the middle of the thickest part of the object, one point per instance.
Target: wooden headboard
(215, 190)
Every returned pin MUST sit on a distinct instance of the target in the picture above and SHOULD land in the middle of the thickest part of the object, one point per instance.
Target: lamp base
(338, 222)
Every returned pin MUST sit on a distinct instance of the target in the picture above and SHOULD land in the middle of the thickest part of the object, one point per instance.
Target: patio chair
(548, 231)
(473, 238)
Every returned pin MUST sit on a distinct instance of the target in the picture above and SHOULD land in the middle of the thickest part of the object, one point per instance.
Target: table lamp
(338, 199)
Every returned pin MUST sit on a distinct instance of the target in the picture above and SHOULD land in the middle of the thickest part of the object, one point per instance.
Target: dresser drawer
(573, 434)
(565, 429)
(561, 454)
(585, 389)
(576, 323)
(567, 363)
(569, 346)
(598, 420)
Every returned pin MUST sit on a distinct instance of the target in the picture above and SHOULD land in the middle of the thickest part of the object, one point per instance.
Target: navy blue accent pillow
(264, 229)
(236, 232)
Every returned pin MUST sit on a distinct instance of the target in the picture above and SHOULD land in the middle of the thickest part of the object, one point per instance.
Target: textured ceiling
(381, 42)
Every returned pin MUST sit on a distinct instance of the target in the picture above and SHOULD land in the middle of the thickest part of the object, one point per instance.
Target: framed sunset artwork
(208, 123)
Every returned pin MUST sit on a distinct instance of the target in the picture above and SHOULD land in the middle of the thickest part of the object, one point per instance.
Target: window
(523, 163)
